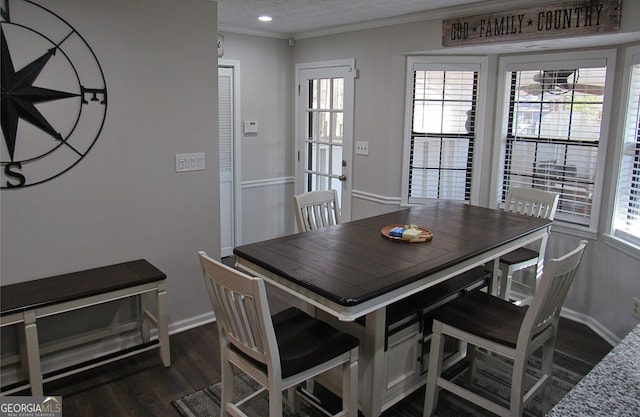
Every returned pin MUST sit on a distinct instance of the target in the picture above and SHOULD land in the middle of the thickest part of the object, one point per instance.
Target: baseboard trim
(588, 321)
(192, 322)
(594, 325)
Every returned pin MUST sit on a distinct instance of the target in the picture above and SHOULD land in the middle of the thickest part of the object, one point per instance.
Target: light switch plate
(189, 162)
(362, 148)
(249, 126)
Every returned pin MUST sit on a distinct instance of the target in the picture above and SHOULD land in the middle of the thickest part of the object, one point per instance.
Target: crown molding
(445, 13)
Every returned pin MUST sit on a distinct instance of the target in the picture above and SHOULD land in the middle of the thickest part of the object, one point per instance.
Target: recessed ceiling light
(265, 18)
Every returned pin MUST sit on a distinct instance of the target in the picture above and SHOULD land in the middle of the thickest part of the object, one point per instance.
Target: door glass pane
(338, 127)
(321, 165)
(338, 93)
(325, 94)
(326, 131)
(323, 126)
(313, 94)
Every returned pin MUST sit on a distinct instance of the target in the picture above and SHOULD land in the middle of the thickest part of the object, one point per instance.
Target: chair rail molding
(376, 198)
(267, 182)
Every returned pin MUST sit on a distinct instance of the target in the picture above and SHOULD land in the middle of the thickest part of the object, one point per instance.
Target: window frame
(549, 61)
(447, 63)
(621, 241)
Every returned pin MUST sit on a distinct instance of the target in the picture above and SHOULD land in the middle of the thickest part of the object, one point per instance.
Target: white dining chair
(498, 326)
(278, 352)
(316, 209)
(530, 202)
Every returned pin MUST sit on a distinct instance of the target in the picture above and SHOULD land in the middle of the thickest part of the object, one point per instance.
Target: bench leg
(145, 325)
(33, 353)
(163, 325)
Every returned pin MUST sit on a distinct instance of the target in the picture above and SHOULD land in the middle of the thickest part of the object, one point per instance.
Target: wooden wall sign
(571, 18)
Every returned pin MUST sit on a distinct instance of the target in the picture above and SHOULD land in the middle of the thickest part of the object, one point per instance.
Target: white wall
(267, 157)
(124, 200)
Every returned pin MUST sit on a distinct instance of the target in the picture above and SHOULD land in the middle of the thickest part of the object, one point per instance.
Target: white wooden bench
(23, 304)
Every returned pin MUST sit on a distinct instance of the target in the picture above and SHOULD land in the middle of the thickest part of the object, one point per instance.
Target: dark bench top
(43, 292)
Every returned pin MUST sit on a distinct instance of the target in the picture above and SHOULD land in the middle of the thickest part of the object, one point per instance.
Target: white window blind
(553, 135)
(442, 132)
(225, 105)
(626, 222)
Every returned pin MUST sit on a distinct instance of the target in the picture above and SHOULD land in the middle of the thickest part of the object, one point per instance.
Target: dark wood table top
(352, 262)
(42, 292)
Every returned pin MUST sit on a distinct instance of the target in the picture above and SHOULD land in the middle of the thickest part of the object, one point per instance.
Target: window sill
(622, 245)
(573, 230)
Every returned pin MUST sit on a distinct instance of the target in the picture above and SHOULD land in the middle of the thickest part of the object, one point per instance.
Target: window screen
(627, 215)
(442, 133)
(553, 135)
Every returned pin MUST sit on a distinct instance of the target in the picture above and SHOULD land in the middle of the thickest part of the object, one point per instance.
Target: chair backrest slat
(252, 324)
(241, 308)
(316, 209)
(551, 293)
(532, 202)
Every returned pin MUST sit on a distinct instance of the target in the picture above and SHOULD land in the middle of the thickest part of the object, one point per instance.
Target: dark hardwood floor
(579, 341)
(141, 386)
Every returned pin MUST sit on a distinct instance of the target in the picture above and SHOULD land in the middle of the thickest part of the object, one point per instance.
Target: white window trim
(473, 63)
(632, 56)
(603, 57)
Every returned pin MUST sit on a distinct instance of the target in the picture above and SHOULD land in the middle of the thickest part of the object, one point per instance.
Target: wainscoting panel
(267, 209)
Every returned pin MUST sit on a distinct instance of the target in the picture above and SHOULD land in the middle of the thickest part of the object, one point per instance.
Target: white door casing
(228, 104)
(324, 128)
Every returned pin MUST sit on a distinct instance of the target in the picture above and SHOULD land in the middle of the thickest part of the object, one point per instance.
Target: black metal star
(19, 96)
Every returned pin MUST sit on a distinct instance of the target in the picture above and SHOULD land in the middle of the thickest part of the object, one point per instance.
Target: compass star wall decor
(54, 95)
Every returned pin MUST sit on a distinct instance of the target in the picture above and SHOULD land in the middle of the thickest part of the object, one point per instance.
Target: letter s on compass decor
(54, 95)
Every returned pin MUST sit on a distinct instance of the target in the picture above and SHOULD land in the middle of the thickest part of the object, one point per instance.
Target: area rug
(491, 380)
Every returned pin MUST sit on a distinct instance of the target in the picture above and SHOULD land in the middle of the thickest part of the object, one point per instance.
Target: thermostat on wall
(250, 127)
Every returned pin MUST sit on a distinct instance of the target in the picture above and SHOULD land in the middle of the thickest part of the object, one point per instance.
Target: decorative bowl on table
(406, 233)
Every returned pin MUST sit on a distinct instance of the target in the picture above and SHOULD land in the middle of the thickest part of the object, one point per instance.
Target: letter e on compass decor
(54, 95)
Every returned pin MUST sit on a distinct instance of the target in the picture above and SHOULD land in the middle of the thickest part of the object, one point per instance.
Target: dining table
(352, 272)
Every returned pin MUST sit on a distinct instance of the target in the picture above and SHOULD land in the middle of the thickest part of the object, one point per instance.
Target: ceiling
(300, 19)
(295, 18)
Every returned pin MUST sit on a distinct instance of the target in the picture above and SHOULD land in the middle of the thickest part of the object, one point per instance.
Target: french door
(324, 129)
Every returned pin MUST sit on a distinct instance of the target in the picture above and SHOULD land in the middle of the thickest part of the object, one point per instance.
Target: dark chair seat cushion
(518, 255)
(417, 303)
(484, 315)
(305, 342)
